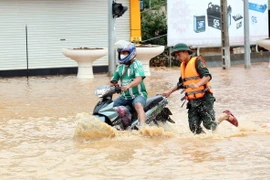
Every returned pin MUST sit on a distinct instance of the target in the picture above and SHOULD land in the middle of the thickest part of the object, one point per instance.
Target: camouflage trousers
(201, 111)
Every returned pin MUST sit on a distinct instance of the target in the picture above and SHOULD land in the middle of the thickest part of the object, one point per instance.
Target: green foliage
(147, 4)
(154, 22)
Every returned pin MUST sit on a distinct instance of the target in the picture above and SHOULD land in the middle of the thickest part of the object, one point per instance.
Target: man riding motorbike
(130, 73)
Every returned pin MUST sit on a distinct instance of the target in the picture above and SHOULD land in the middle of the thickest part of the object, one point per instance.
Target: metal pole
(170, 57)
(246, 35)
(26, 44)
(111, 39)
(225, 49)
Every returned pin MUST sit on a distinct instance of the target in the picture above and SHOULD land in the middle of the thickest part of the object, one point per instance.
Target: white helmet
(125, 46)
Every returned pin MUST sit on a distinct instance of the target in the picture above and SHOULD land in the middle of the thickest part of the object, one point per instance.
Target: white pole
(111, 39)
(246, 35)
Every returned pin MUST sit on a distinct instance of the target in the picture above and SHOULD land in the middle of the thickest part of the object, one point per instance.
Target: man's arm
(204, 74)
(115, 78)
(178, 86)
(203, 81)
(202, 69)
(133, 83)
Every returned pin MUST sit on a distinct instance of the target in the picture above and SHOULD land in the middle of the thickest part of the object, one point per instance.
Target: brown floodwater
(41, 135)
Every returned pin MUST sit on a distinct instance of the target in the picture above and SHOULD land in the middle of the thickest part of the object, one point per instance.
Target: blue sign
(257, 7)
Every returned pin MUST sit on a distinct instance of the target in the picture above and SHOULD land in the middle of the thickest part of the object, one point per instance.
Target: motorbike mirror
(103, 90)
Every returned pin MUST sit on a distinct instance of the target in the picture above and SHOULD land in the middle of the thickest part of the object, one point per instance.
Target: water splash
(91, 128)
(156, 131)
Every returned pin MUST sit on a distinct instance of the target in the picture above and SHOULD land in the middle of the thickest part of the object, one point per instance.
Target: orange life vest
(190, 75)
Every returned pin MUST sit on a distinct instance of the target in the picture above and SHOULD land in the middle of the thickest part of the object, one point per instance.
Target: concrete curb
(236, 59)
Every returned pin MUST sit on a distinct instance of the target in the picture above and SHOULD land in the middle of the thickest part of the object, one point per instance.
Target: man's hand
(193, 86)
(167, 93)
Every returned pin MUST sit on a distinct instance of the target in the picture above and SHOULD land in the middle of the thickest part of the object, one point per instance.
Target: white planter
(146, 53)
(85, 58)
(265, 43)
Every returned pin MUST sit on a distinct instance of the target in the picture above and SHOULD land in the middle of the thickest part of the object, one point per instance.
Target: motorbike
(155, 110)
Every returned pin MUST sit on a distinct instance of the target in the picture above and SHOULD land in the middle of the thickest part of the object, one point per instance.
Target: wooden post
(225, 45)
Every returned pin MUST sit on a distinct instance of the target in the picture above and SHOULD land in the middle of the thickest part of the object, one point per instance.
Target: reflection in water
(47, 132)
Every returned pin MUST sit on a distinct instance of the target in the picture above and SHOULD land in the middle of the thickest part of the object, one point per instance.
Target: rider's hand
(124, 88)
(114, 83)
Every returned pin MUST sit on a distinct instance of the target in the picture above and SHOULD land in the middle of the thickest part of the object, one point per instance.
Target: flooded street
(39, 116)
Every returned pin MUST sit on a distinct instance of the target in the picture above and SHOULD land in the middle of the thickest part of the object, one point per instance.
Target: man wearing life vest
(195, 80)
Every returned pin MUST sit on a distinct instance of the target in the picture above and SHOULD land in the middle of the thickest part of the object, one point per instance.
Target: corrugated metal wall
(53, 25)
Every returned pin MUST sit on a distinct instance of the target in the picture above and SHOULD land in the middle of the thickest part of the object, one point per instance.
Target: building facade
(33, 33)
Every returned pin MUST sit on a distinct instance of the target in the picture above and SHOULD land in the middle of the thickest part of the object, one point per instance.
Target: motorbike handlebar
(117, 89)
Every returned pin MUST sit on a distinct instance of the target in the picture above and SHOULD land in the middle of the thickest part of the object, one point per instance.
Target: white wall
(53, 25)
(181, 24)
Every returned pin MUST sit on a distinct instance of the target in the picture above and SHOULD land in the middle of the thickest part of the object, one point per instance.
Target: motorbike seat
(152, 101)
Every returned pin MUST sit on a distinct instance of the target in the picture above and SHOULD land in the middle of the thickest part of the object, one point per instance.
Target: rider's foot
(140, 125)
